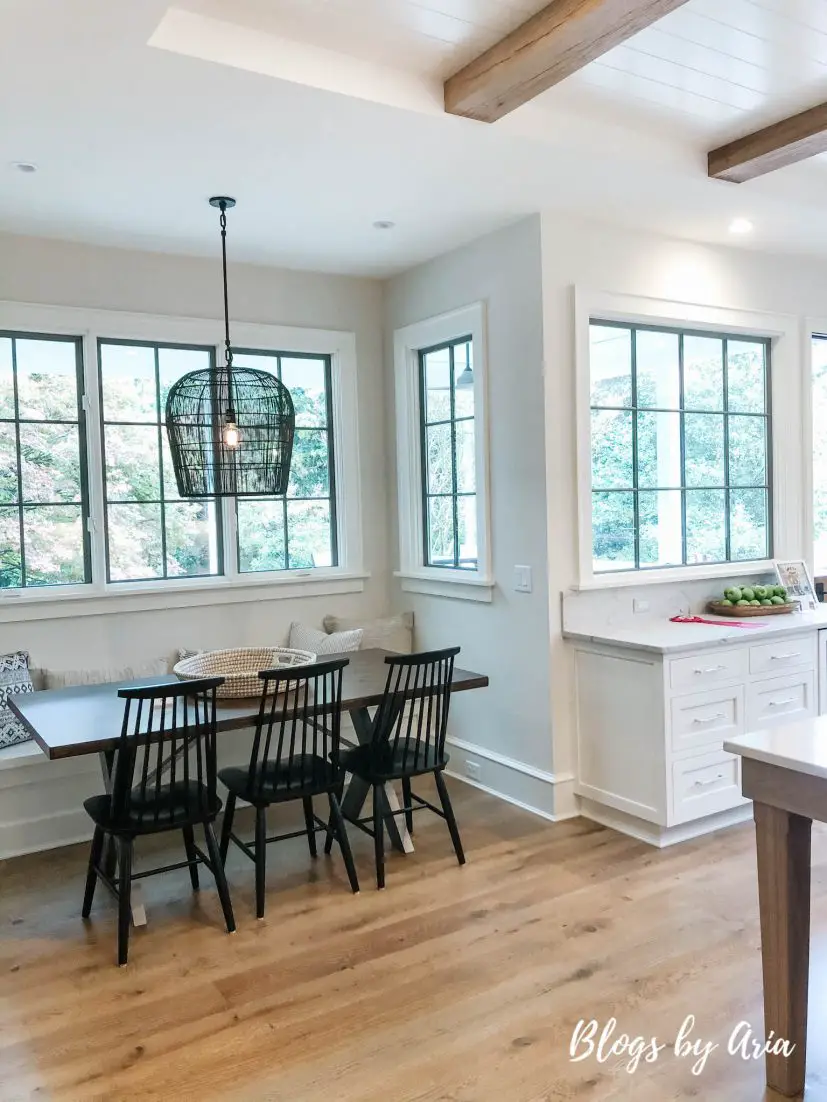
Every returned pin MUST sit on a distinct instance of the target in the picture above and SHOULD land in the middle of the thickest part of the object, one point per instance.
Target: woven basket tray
(751, 610)
(240, 667)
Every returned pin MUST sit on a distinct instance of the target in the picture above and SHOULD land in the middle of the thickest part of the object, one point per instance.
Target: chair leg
(189, 846)
(344, 842)
(95, 854)
(261, 858)
(331, 823)
(124, 897)
(309, 824)
(378, 837)
(227, 826)
(448, 811)
(220, 876)
(406, 799)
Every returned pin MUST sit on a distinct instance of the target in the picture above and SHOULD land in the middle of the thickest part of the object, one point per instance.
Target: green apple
(777, 601)
(733, 594)
(761, 592)
(755, 603)
(766, 602)
(726, 603)
(741, 603)
(748, 593)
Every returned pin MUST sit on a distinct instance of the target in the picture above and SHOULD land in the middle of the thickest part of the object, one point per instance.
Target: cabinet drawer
(705, 785)
(780, 700)
(708, 669)
(708, 718)
(783, 654)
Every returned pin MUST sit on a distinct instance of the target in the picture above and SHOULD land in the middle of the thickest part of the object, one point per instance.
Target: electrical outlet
(639, 605)
(472, 769)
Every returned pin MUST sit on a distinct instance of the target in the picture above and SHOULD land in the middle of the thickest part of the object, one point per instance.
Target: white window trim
(787, 417)
(416, 577)
(233, 586)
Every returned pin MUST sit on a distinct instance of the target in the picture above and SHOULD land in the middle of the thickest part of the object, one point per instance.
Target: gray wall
(508, 639)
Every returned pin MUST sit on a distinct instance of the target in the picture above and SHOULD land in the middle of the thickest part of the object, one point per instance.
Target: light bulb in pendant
(230, 435)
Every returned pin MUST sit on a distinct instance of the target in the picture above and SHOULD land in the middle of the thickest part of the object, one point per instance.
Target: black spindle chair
(163, 779)
(408, 740)
(295, 756)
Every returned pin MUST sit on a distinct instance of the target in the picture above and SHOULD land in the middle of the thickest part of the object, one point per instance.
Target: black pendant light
(230, 429)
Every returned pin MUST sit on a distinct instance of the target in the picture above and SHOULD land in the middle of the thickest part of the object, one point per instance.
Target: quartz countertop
(660, 636)
(800, 746)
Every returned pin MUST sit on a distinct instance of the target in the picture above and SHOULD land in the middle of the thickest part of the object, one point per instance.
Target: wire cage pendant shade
(230, 428)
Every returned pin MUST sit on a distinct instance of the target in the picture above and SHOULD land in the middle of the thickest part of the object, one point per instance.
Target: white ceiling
(323, 116)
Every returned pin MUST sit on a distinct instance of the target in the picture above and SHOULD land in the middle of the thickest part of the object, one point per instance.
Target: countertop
(660, 636)
(800, 746)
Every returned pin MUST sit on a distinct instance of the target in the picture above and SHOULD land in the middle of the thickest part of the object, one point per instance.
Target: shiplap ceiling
(323, 116)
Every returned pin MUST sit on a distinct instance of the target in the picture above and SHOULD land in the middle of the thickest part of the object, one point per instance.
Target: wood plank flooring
(453, 985)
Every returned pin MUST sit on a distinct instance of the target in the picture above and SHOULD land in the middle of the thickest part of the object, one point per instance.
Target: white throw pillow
(320, 642)
(393, 633)
(62, 679)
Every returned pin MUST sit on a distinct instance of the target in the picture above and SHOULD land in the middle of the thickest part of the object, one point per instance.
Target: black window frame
(14, 335)
(424, 425)
(217, 502)
(327, 360)
(635, 489)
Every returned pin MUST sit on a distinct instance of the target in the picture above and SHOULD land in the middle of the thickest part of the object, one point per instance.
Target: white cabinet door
(706, 719)
(705, 785)
(708, 669)
(783, 654)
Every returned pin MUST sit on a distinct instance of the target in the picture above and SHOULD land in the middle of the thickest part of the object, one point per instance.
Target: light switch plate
(522, 579)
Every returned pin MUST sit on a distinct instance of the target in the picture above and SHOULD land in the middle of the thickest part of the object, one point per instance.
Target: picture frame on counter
(795, 577)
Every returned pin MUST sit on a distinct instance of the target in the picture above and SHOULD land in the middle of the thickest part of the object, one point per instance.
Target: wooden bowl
(750, 610)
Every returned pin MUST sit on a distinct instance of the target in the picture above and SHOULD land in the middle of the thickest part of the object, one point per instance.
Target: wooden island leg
(783, 844)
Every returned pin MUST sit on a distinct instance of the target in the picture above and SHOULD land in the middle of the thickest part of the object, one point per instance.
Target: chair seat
(174, 806)
(387, 762)
(275, 781)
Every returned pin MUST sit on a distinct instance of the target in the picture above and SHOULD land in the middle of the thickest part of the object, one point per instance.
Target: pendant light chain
(228, 350)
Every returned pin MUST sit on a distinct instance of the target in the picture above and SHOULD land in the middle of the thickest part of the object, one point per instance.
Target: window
(680, 447)
(442, 459)
(820, 451)
(89, 505)
(150, 531)
(297, 532)
(44, 539)
(447, 435)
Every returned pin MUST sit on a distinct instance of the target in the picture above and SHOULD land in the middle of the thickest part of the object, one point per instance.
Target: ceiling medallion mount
(230, 429)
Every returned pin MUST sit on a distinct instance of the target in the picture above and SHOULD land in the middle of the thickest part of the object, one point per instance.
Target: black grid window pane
(448, 450)
(681, 447)
(150, 532)
(44, 501)
(298, 531)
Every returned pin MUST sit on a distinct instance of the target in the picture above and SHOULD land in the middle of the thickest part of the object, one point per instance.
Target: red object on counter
(714, 623)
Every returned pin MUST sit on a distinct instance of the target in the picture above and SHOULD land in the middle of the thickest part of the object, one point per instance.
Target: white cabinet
(651, 727)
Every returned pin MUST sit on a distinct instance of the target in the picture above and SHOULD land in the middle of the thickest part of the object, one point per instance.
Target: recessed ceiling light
(741, 226)
(383, 224)
(24, 166)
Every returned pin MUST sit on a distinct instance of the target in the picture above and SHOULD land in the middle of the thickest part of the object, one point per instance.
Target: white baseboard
(550, 795)
(659, 836)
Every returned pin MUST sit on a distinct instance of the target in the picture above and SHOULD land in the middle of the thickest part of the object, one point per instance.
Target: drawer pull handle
(785, 657)
(711, 719)
(711, 669)
(706, 784)
(781, 703)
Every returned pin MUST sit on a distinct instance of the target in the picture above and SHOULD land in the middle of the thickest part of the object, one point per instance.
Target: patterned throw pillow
(319, 642)
(14, 678)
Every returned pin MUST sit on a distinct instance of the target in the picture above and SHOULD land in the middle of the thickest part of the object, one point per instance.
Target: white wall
(602, 258)
(60, 273)
(505, 728)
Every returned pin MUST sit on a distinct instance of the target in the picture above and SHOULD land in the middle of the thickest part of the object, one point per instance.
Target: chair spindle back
(422, 681)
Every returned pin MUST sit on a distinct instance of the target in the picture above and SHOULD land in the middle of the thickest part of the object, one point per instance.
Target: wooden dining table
(784, 773)
(86, 719)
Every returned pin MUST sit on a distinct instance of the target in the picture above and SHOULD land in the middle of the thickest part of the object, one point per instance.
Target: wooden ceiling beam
(784, 143)
(556, 42)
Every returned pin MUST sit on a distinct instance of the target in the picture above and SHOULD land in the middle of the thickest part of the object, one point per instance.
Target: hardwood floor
(453, 984)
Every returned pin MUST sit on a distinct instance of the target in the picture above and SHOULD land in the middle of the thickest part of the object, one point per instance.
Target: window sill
(148, 596)
(675, 575)
(452, 586)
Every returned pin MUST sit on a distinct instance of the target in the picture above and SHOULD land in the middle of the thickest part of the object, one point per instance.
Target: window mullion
(635, 470)
(681, 403)
(19, 462)
(727, 495)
